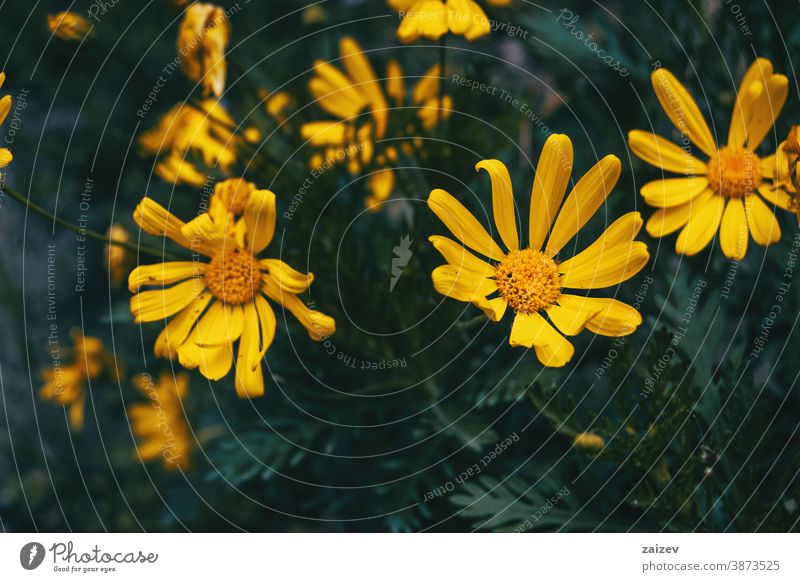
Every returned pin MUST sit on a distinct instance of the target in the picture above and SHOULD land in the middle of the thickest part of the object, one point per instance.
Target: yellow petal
(267, 325)
(494, 309)
(762, 95)
(664, 154)
(531, 330)
(321, 133)
(156, 220)
(428, 86)
(463, 225)
(163, 274)
(259, 217)
(458, 256)
(733, 235)
(612, 318)
(6, 157)
(179, 327)
(568, 320)
(249, 380)
(395, 82)
(363, 75)
(549, 186)
(702, 225)
(287, 278)
(502, 202)
(668, 220)
(207, 237)
(318, 325)
(757, 73)
(776, 197)
(221, 324)
(461, 284)
(761, 220)
(611, 267)
(215, 362)
(622, 231)
(425, 18)
(584, 200)
(162, 303)
(673, 191)
(682, 110)
(380, 185)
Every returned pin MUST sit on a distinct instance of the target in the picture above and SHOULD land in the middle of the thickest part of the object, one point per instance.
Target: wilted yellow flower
(531, 280)
(588, 441)
(185, 131)
(5, 107)
(118, 258)
(69, 26)
(432, 19)
(725, 193)
(203, 37)
(160, 425)
(66, 383)
(351, 139)
(784, 167)
(216, 303)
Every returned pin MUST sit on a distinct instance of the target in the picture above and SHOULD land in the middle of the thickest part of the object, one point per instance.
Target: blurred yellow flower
(160, 425)
(432, 19)
(531, 279)
(5, 108)
(588, 441)
(69, 26)
(205, 131)
(784, 167)
(357, 139)
(65, 383)
(722, 193)
(213, 304)
(203, 37)
(118, 259)
(276, 103)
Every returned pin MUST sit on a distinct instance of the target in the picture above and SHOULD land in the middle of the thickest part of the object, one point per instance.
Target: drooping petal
(458, 256)
(318, 325)
(464, 226)
(249, 379)
(612, 317)
(156, 220)
(673, 191)
(287, 278)
(461, 284)
(531, 330)
(502, 202)
(702, 225)
(733, 234)
(664, 154)
(160, 304)
(682, 110)
(611, 267)
(494, 309)
(259, 218)
(584, 200)
(549, 186)
(268, 325)
(179, 327)
(163, 274)
(761, 220)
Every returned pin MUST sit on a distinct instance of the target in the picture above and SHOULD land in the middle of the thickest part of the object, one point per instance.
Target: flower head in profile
(5, 108)
(118, 259)
(728, 191)
(187, 136)
(432, 19)
(532, 279)
(66, 383)
(360, 104)
(160, 424)
(784, 164)
(69, 26)
(220, 299)
(203, 37)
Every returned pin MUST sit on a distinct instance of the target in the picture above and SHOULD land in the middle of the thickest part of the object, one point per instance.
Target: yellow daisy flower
(531, 280)
(186, 131)
(160, 425)
(216, 303)
(69, 26)
(66, 383)
(203, 37)
(5, 108)
(432, 19)
(725, 192)
(350, 139)
(118, 259)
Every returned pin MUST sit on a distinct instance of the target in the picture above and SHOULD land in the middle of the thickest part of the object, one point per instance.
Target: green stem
(442, 64)
(85, 231)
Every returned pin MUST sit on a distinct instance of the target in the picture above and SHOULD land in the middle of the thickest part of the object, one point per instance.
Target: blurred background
(416, 415)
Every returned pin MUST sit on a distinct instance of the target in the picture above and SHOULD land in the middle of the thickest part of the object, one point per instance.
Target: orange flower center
(734, 172)
(233, 276)
(528, 281)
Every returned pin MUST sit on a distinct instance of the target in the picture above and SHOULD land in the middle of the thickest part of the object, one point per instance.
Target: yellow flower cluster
(203, 37)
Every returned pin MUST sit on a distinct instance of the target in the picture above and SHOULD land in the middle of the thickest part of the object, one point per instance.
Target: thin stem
(442, 73)
(85, 231)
